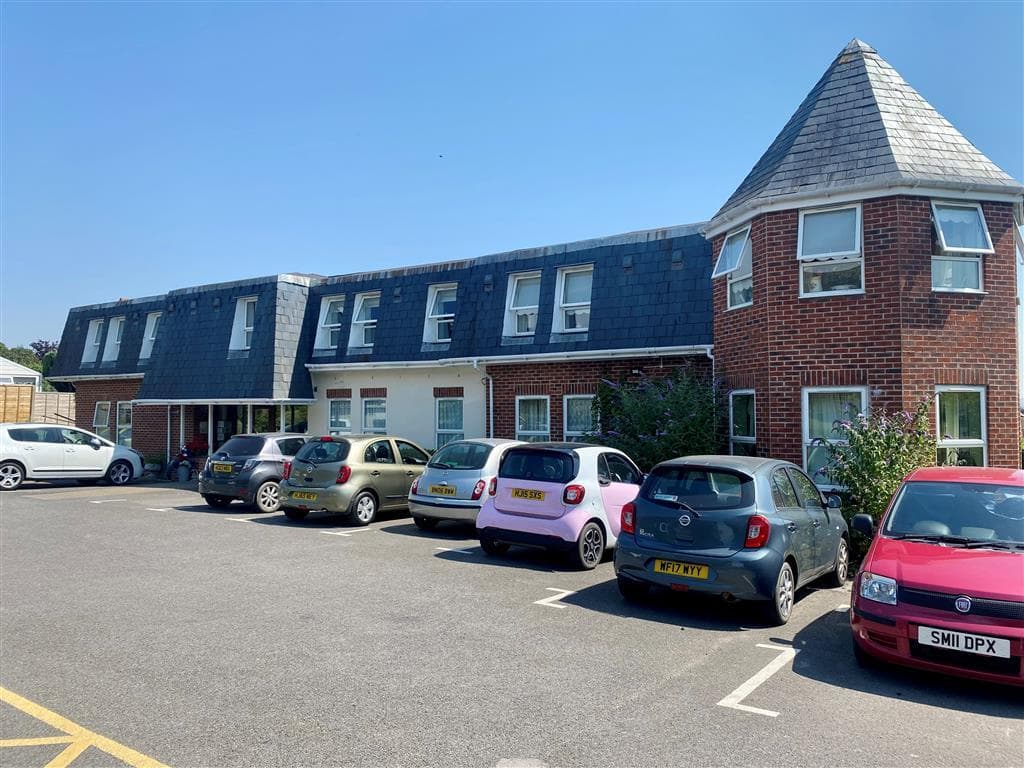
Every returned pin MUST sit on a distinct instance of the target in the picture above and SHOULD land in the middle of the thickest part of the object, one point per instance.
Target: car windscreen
(974, 511)
(241, 446)
(539, 465)
(698, 487)
(462, 455)
(323, 451)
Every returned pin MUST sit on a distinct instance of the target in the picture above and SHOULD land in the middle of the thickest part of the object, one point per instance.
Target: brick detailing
(847, 377)
(977, 377)
(339, 393)
(373, 392)
(580, 388)
(449, 392)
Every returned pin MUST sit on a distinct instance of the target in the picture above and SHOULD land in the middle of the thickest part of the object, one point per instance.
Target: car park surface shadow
(446, 531)
(826, 655)
(317, 520)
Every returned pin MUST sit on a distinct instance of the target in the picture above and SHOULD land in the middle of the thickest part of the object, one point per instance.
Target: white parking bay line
(158, 509)
(467, 551)
(347, 533)
(734, 699)
(104, 501)
(241, 519)
(552, 601)
(842, 608)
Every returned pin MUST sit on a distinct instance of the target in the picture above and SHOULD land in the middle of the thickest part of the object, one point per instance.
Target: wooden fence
(23, 404)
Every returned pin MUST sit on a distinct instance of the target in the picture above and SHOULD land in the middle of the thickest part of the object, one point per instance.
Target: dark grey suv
(249, 468)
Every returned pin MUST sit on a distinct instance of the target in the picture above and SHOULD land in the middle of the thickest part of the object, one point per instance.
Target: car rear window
(242, 446)
(699, 487)
(461, 456)
(323, 451)
(289, 446)
(976, 511)
(539, 465)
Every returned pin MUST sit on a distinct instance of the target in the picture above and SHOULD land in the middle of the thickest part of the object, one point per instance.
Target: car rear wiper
(998, 543)
(441, 465)
(940, 538)
(677, 503)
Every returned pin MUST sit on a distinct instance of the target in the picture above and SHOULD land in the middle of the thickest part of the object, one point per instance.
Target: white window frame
(733, 437)
(806, 427)
(432, 323)
(366, 429)
(855, 256)
(325, 329)
(512, 312)
(567, 434)
(942, 237)
(458, 434)
(970, 443)
(118, 424)
(562, 307)
(337, 430)
(721, 269)
(743, 273)
(358, 332)
(93, 337)
(969, 259)
(241, 334)
(101, 428)
(149, 335)
(546, 434)
(115, 333)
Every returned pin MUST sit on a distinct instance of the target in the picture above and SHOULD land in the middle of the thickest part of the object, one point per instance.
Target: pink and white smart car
(562, 496)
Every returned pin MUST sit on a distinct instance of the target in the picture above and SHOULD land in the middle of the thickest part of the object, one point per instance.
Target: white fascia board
(97, 377)
(226, 401)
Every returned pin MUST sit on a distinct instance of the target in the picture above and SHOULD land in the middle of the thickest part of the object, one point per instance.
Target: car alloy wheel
(119, 473)
(590, 547)
(785, 594)
(11, 476)
(268, 497)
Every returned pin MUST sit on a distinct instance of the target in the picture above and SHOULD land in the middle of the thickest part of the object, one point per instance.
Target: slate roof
(863, 126)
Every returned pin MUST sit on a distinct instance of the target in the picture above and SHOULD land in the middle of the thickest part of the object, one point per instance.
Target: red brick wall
(570, 378)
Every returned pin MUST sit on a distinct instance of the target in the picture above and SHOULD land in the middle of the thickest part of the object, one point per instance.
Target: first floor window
(825, 410)
(124, 424)
(364, 323)
(829, 251)
(533, 422)
(956, 273)
(523, 300)
(449, 420)
(101, 419)
(579, 416)
(340, 417)
(960, 412)
(742, 429)
(574, 289)
(375, 416)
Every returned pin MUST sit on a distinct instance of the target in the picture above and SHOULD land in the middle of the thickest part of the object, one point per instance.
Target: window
(92, 341)
(244, 323)
(375, 416)
(124, 424)
(732, 251)
(440, 313)
(449, 420)
(824, 410)
(617, 469)
(742, 424)
(734, 260)
(782, 491)
(114, 333)
(960, 415)
(379, 453)
(572, 313)
(149, 334)
(340, 417)
(533, 423)
(411, 454)
(289, 446)
(101, 419)
(578, 416)
(523, 301)
(810, 496)
(962, 236)
(364, 323)
(328, 332)
(828, 247)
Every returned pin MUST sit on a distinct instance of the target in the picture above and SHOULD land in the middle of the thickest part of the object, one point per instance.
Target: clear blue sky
(150, 146)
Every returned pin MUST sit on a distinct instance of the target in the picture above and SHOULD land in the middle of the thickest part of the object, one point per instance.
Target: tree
(42, 347)
(22, 356)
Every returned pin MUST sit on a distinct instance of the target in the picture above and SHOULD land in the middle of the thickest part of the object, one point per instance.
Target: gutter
(226, 401)
(94, 377)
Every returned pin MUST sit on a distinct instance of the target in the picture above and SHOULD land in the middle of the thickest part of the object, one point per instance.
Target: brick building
(855, 267)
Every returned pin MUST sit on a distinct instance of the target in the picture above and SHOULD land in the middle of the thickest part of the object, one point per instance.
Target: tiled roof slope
(863, 126)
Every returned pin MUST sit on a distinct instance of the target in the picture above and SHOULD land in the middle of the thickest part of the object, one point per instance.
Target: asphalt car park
(194, 636)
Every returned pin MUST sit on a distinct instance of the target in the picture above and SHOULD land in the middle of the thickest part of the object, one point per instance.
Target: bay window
(962, 238)
(829, 251)
(824, 411)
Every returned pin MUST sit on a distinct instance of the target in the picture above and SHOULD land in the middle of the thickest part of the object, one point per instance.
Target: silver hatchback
(455, 481)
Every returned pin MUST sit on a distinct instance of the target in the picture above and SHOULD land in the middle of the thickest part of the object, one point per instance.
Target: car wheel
(120, 472)
(11, 476)
(425, 523)
(837, 577)
(364, 508)
(492, 547)
(295, 514)
(268, 497)
(590, 546)
(217, 502)
(780, 607)
(632, 591)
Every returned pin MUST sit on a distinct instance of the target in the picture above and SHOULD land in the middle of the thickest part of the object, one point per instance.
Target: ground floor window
(824, 411)
(296, 418)
(960, 417)
(578, 416)
(101, 419)
(340, 416)
(533, 419)
(375, 416)
(742, 427)
(449, 420)
(124, 424)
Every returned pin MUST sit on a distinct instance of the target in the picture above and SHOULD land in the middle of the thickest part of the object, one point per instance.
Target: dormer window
(440, 313)
(149, 335)
(523, 301)
(244, 323)
(114, 333)
(829, 251)
(572, 314)
(961, 237)
(734, 260)
(328, 332)
(364, 321)
(92, 341)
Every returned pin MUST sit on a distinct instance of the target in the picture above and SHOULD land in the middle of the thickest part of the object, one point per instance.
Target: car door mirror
(832, 501)
(96, 443)
(864, 525)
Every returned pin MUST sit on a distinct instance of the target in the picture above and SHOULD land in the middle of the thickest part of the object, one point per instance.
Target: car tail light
(629, 517)
(758, 530)
(343, 475)
(287, 470)
(326, 439)
(415, 486)
(493, 487)
(573, 494)
(478, 490)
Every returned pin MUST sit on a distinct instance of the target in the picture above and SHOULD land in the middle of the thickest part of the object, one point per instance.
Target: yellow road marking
(81, 738)
(42, 740)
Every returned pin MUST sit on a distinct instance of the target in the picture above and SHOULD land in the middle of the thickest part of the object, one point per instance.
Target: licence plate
(681, 569)
(217, 467)
(442, 490)
(304, 495)
(528, 494)
(982, 645)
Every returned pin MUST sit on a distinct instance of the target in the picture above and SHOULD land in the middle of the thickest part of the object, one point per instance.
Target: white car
(54, 452)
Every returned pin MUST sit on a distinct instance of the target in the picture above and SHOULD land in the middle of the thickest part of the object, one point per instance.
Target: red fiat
(942, 586)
